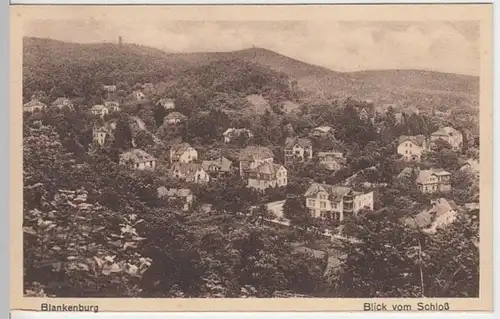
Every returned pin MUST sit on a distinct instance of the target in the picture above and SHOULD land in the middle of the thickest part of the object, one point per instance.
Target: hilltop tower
(120, 40)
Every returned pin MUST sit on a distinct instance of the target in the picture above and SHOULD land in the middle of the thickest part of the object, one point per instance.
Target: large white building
(336, 202)
(449, 134)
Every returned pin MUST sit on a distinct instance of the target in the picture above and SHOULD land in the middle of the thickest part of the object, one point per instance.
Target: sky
(338, 45)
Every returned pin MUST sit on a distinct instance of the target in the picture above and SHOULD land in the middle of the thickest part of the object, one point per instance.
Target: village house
(297, 149)
(252, 156)
(267, 175)
(433, 180)
(412, 147)
(336, 202)
(450, 135)
(233, 133)
(138, 159)
(218, 167)
(167, 104)
(112, 106)
(34, 106)
(190, 172)
(472, 166)
(322, 131)
(109, 88)
(183, 153)
(441, 213)
(62, 102)
(332, 161)
(174, 118)
(183, 195)
(99, 110)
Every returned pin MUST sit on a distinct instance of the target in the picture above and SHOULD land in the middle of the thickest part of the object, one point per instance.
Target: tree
(452, 260)
(381, 263)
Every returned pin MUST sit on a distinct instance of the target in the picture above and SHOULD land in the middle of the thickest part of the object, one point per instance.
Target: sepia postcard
(251, 158)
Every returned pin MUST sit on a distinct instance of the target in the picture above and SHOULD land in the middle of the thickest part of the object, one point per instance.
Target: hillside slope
(83, 65)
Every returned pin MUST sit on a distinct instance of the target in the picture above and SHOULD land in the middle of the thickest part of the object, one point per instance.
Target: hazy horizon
(439, 46)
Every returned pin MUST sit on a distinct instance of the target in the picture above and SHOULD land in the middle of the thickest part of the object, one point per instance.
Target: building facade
(336, 202)
(267, 175)
(433, 181)
(298, 149)
(138, 159)
(450, 135)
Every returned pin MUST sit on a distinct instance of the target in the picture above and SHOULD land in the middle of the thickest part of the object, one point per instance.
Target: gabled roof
(223, 163)
(251, 152)
(137, 156)
(417, 139)
(187, 168)
(302, 142)
(267, 168)
(424, 175)
(175, 116)
(179, 149)
(336, 192)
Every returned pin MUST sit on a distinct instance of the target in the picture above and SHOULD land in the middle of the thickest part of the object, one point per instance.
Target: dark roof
(223, 163)
(417, 139)
(267, 168)
(336, 192)
(292, 141)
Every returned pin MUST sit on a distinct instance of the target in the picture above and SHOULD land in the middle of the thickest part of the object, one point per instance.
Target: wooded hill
(81, 69)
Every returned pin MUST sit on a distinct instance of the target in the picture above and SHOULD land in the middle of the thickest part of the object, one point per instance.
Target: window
(322, 196)
(322, 204)
(335, 205)
(311, 202)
